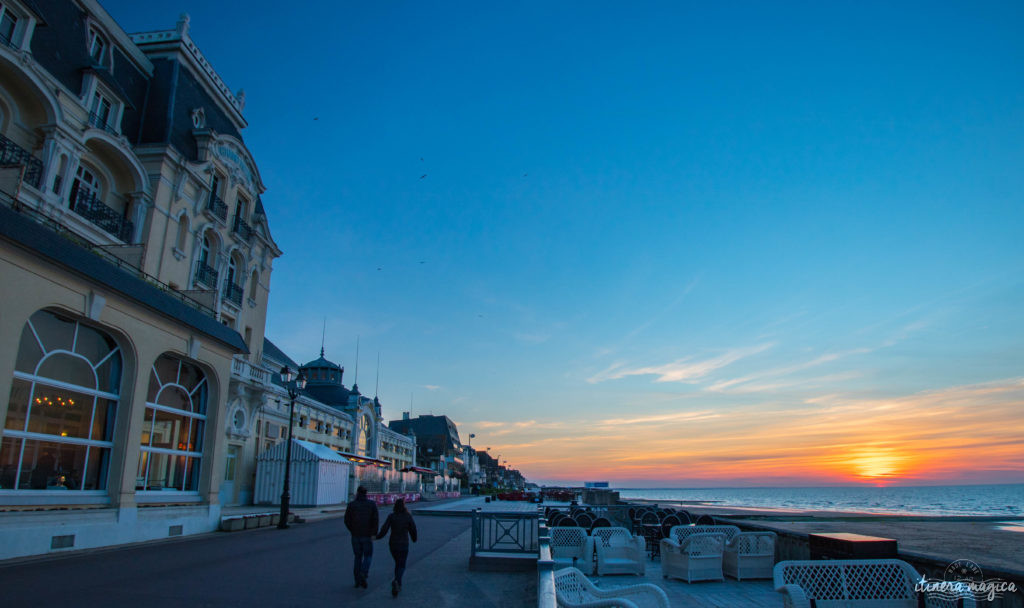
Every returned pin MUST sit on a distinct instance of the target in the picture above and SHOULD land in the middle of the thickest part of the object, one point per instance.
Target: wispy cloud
(662, 418)
(431, 387)
(781, 372)
(680, 370)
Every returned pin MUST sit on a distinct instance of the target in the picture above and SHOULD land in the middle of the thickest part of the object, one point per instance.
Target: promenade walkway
(308, 566)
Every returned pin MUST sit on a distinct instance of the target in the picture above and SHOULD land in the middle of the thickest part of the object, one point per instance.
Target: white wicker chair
(874, 583)
(618, 551)
(678, 533)
(573, 589)
(570, 546)
(749, 555)
(698, 558)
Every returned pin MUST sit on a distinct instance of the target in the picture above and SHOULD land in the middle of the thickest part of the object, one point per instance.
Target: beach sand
(987, 541)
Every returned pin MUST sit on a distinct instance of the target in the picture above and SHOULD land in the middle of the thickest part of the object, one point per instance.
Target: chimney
(405, 415)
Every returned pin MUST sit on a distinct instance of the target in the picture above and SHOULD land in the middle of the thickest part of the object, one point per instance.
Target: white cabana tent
(319, 475)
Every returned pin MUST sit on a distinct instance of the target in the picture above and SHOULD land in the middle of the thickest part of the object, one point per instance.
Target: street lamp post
(294, 384)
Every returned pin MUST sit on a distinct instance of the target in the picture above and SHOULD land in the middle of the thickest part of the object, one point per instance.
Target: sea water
(976, 500)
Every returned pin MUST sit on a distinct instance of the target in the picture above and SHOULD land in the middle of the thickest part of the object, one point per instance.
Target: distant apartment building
(437, 442)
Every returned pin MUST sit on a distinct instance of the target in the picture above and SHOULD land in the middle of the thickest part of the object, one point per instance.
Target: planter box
(275, 519)
(232, 524)
(252, 522)
(264, 520)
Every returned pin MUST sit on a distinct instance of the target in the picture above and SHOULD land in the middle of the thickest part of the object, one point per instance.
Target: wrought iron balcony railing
(206, 275)
(87, 205)
(233, 293)
(242, 229)
(13, 154)
(95, 120)
(217, 207)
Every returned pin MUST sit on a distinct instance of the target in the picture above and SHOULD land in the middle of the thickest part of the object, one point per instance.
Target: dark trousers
(400, 554)
(362, 549)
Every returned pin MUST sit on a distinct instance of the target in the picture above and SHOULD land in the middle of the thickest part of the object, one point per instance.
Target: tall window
(204, 251)
(8, 24)
(363, 442)
(172, 433)
(232, 270)
(100, 111)
(86, 183)
(60, 419)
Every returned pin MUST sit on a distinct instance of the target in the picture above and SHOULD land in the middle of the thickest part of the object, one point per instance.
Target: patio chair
(749, 555)
(705, 520)
(585, 520)
(667, 523)
(600, 522)
(574, 590)
(862, 582)
(678, 533)
(618, 551)
(572, 547)
(697, 558)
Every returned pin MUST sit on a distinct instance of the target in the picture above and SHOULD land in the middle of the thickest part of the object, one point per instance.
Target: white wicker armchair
(570, 546)
(573, 589)
(697, 558)
(888, 583)
(678, 533)
(749, 555)
(618, 551)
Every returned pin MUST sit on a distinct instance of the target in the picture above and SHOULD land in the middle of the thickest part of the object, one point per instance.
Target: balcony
(13, 154)
(206, 275)
(233, 293)
(242, 229)
(87, 205)
(100, 122)
(8, 42)
(243, 370)
(217, 207)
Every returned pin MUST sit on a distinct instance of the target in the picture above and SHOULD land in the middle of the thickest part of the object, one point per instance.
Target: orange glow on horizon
(972, 433)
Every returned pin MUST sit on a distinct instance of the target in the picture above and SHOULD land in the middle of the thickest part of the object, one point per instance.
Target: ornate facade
(136, 259)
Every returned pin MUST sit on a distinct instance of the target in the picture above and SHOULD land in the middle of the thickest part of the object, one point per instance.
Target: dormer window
(97, 46)
(8, 25)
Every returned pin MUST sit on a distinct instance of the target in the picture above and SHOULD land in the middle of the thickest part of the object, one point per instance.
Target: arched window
(85, 189)
(172, 433)
(254, 284)
(232, 270)
(204, 250)
(363, 445)
(182, 240)
(59, 428)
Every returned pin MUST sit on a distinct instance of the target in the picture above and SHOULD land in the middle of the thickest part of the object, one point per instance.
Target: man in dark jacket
(361, 520)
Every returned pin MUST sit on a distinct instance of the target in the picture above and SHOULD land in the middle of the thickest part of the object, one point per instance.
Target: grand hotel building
(135, 265)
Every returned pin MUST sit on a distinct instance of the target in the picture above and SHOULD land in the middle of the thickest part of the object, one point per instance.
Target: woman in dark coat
(402, 529)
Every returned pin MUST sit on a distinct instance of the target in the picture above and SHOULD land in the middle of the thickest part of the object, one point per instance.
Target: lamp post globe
(294, 383)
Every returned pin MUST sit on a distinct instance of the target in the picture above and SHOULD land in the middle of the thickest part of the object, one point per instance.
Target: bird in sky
(422, 176)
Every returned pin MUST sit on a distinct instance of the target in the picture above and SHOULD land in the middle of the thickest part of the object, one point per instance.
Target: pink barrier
(390, 497)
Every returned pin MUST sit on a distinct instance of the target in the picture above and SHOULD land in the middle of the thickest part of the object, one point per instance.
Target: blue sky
(639, 217)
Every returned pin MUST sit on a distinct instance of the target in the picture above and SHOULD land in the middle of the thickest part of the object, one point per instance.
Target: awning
(420, 470)
(365, 460)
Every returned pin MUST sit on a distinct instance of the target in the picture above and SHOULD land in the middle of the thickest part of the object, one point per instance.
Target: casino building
(135, 260)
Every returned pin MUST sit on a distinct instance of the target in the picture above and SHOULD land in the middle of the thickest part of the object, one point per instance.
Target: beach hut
(319, 475)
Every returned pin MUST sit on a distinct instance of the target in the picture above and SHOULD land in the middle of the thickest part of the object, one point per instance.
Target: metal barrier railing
(504, 533)
(546, 596)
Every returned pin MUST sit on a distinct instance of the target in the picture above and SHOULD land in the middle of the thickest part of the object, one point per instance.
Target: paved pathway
(308, 565)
